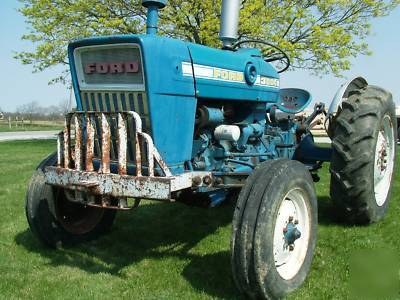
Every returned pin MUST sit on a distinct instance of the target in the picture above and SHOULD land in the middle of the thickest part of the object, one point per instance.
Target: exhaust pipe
(152, 14)
(229, 23)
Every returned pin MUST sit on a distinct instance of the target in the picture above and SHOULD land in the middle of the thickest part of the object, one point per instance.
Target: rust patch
(122, 145)
(78, 142)
(105, 145)
(150, 158)
(89, 143)
(66, 131)
(59, 149)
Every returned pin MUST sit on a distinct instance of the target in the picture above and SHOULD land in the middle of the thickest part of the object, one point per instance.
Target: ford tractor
(163, 119)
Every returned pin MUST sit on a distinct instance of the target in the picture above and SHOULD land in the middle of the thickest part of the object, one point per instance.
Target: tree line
(32, 111)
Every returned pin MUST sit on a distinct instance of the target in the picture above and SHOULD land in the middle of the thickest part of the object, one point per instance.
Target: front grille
(113, 101)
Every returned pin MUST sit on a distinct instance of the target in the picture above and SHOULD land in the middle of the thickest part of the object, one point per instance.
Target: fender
(341, 95)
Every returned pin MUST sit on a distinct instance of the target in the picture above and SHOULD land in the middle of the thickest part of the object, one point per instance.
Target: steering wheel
(274, 54)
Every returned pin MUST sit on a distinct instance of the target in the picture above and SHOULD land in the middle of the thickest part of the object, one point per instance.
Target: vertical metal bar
(113, 130)
(105, 145)
(89, 143)
(67, 151)
(138, 155)
(78, 142)
(138, 130)
(137, 119)
(229, 22)
(150, 151)
(122, 145)
(59, 149)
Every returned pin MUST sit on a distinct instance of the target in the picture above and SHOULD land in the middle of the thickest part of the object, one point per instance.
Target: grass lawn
(35, 126)
(159, 251)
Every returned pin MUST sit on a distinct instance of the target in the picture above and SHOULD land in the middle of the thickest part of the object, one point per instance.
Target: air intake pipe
(229, 23)
(152, 14)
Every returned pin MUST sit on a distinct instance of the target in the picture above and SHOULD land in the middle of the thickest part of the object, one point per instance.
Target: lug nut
(196, 181)
(207, 180)
(218, 180)
(296, 222)
(291, 247)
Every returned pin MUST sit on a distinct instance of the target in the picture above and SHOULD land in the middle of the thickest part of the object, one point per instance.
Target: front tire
(364, 153)
(56, 221)
(264, 264)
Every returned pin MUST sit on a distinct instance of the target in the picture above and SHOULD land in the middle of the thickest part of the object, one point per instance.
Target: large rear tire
(56, 221)
(364, 153)
(277, 193)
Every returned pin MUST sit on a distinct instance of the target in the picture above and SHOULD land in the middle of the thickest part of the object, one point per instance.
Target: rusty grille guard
(83, 177)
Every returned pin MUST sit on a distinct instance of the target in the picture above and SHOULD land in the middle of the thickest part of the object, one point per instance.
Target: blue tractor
(164, 119)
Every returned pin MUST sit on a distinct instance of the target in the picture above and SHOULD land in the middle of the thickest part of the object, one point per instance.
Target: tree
(319, 35)
(29, 110)
(64, 106)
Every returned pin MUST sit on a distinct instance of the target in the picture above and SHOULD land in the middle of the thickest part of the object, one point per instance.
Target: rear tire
(364, 153)
(55, 221)
(262, 266)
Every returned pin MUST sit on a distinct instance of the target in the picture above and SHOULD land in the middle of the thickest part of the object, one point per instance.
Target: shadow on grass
(160, 230)
(153, 231)
(328, 213)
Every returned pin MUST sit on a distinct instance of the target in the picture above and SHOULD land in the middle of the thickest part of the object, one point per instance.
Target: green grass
(159, 251)
(35, 126)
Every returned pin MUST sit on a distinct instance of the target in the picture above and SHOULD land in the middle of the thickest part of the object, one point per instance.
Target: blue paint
(152, 14)
(250, 73)
(152, 20)
(291, 234)
(234, 61)
(157, 3)
(308, 152)
(217, 197)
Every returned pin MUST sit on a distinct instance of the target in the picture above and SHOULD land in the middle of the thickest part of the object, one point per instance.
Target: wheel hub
(291, 233)
(382, 153)
(75, 217)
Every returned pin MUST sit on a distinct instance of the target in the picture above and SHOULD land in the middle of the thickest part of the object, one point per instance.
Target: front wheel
(274, 230)
(57, 221)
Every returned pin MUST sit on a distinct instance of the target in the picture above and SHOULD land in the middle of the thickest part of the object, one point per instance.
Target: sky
(18, 85)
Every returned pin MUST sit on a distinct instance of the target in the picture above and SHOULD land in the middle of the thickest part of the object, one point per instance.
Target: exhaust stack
(152, 14)
(229, 22)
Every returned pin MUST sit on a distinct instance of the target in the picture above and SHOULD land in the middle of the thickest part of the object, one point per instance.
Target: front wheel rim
(293, 207)
(76, 218)
(384, 160)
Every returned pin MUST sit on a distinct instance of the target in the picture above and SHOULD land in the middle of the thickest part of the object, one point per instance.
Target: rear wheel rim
(288, 262)
(384, 160)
